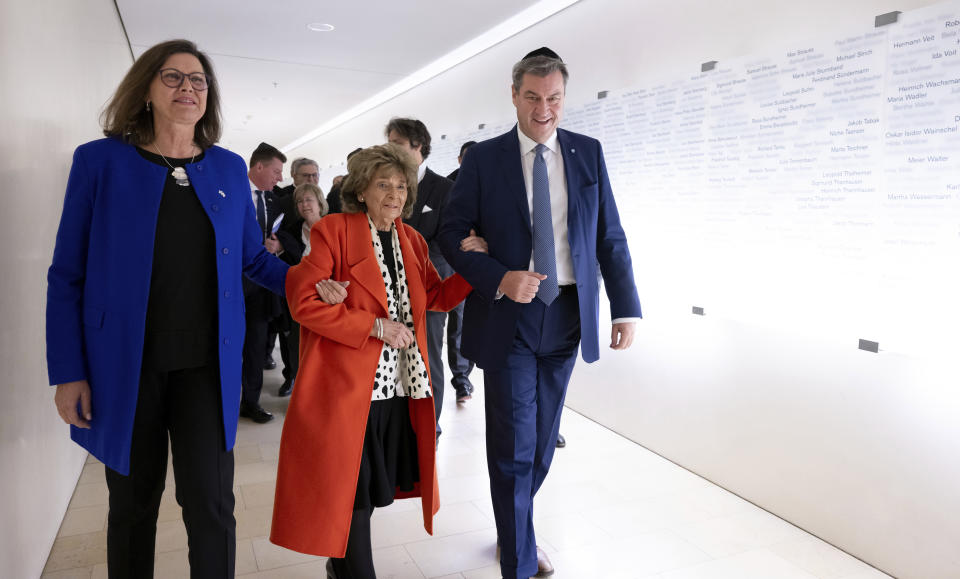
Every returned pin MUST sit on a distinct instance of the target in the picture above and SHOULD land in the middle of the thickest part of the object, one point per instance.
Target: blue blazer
(489, 195)
(99, 282)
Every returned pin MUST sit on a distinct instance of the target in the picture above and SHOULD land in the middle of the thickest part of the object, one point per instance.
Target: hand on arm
(473, 243)
(332, 291)
(68, 396)
(621, 337)
(521, 286)
(393, 333)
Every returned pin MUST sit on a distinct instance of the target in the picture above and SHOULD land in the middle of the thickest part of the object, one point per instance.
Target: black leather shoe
(561, 441)
(285, 389)
(255, 412)
(269, 363)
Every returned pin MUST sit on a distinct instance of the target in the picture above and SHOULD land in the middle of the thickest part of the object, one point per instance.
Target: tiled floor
(609, 509)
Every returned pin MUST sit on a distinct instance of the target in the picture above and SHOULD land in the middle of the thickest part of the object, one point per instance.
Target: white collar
(527, 144)
(421, 171)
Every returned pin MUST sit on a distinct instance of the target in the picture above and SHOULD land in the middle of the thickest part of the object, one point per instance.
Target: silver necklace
(179, 174)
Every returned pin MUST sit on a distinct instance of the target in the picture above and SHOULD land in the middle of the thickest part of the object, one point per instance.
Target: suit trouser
(435, 321)
(290, 351)
(186, 405)
(460, 367)
(524, 400)
(254, 353)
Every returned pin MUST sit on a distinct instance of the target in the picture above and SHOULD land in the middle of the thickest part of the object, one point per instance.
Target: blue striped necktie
(544, 256)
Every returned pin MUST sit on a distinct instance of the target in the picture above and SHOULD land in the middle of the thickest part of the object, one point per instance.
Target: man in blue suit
(541, 198)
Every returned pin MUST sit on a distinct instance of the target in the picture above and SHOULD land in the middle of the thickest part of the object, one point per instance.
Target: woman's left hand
(331, 291)
(474, 243)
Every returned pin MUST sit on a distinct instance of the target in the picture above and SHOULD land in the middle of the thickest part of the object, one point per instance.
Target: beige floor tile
(270, 450)
(760, 564)
(171, 536)
(169, 508)
(821, 559)
(255, 472)
(172, 565)
(246, 453)
(725, 536)
(83, 520)
(92, 473)
(407, 526)
(637, 556)
(258, 494)
(395, 562)
(77, 551)
(444, 555)
(89, 495)
(78, 573)
(254, 522)
(488, 572)
(246, 560)
(312, 570)
(270, 556)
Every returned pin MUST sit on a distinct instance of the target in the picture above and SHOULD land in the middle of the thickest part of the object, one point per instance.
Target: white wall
(857, 448)
(60, 61)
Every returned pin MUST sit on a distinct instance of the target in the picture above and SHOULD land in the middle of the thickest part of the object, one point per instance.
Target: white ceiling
(280, 80)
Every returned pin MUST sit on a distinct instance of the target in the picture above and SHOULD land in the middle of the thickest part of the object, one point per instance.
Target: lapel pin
(573, 150)
(222, 194)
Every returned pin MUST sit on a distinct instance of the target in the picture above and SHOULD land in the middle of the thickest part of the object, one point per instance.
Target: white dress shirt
(558, 200)
(558, 204)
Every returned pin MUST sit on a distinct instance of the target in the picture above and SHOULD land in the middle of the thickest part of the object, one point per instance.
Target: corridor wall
(61, 61)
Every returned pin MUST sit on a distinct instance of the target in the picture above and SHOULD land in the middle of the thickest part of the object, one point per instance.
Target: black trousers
(186, 406)
(435, 322)
(357, 563)
(289, 333)
(254, 353)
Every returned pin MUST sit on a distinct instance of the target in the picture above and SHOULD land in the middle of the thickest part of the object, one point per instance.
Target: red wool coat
(324, 428)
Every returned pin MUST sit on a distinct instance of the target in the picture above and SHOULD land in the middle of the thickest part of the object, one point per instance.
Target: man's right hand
(68, 396)
(521, 286)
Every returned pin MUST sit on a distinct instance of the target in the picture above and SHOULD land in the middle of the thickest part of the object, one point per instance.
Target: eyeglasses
(173, 78)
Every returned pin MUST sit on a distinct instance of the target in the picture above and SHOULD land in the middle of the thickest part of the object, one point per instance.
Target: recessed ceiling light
(320, 27)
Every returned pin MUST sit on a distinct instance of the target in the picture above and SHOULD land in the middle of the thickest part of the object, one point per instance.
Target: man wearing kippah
(541, 198)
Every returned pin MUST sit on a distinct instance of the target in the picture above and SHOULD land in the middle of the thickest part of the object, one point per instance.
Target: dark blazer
(260, 301)
(432, 193)
(99, 282)
(489, 195)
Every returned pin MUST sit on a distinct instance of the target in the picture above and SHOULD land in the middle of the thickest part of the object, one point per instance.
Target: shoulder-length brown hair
(363, 167)
(127, 117)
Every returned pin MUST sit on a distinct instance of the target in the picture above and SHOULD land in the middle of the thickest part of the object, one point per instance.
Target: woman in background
(145, 309)
(311, 206)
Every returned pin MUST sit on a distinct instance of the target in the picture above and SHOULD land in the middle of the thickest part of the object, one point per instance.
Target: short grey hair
(300, 162)
(538, 66)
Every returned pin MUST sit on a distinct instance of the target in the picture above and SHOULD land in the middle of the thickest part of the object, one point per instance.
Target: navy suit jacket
(490, 196)
(432, 192)
(99, 282)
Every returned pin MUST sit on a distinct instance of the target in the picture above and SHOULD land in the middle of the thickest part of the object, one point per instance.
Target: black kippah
(543, 51)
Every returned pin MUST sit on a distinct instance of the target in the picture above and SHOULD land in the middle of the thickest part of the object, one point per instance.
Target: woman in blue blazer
(145, 320)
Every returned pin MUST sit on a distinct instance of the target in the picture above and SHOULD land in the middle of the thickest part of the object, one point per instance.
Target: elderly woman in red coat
(359, 431)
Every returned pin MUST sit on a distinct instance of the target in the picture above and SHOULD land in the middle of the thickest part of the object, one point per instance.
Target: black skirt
(389, 461)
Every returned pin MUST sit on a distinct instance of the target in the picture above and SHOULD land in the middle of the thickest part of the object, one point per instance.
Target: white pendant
(180, 175)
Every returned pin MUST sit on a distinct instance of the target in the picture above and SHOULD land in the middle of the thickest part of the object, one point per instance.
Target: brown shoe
(544, 566)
